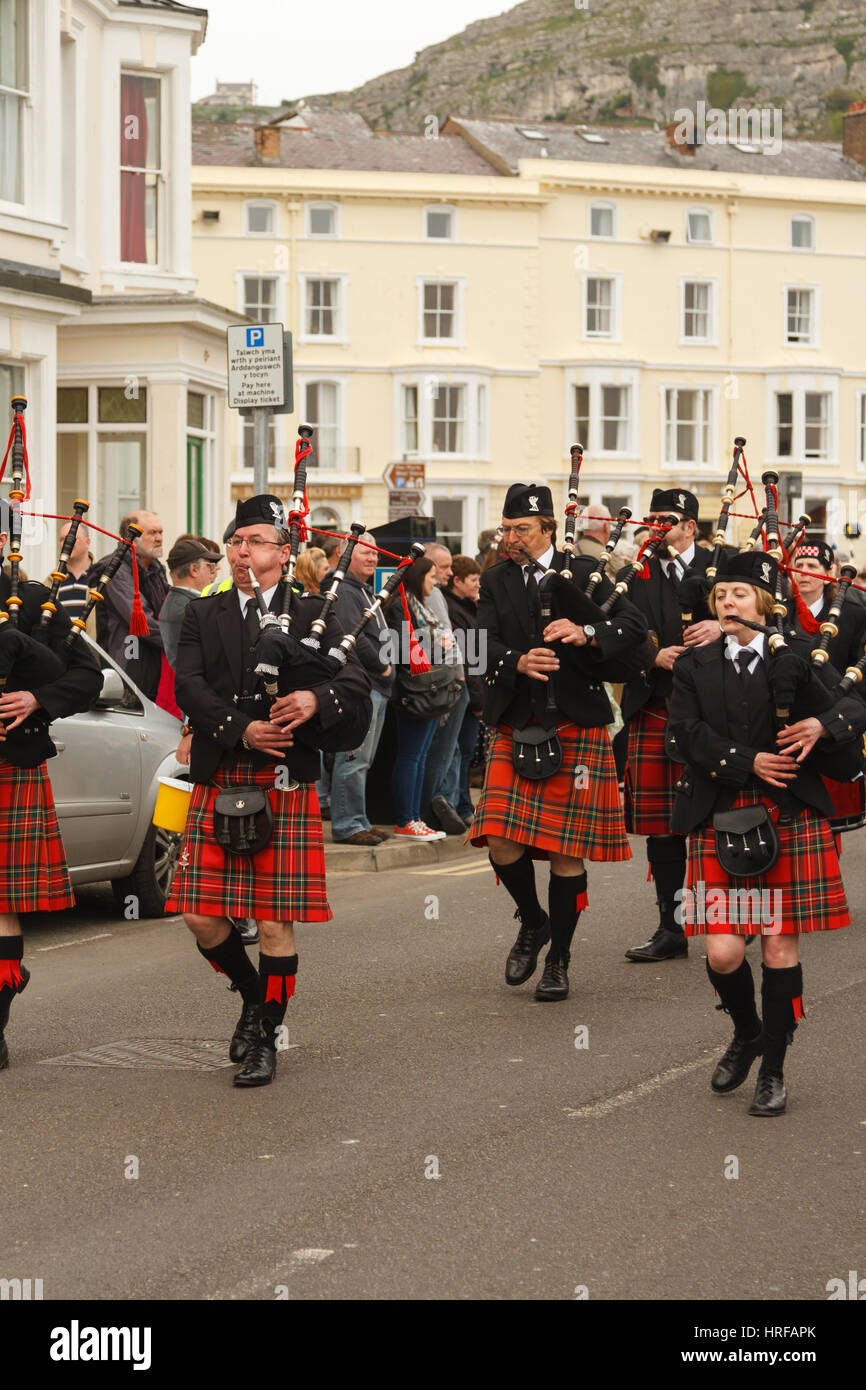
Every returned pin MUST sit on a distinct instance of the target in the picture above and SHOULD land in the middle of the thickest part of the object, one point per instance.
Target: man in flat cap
(650, 776)
(563, 804)
(191, 565)
(244, 740)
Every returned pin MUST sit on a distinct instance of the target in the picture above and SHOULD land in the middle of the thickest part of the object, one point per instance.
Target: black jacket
(352, 599)
(656, 599)
(510, 628)
(846, 649)
(59, 695)
(112, 620)
(209, 675)
(463, 613)
(698, 735)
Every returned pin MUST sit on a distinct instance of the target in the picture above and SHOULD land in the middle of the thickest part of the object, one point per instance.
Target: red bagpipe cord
(10, 974)
(18, 420)
(277, 985)
(303, 449)
(418, 661)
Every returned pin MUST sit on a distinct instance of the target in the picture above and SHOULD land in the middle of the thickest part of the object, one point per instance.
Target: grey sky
(291, 49)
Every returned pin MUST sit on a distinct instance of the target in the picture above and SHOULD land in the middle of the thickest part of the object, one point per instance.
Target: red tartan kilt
(849, 803)
(803, 892)
(575, 812)
(650, 776)
(33, 873)
(284, 882)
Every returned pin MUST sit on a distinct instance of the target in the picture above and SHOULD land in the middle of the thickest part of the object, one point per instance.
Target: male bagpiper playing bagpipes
(243, 740)
(650, 775)
(574, 812)
(37, 685)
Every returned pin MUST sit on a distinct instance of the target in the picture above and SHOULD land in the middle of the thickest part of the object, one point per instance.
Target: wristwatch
(246, 745)
(589, 629)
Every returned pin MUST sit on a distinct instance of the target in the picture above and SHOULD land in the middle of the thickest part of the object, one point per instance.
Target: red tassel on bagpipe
(418, 661)
(137, 619)
(276, 986)
(808, 622)
(18, 419)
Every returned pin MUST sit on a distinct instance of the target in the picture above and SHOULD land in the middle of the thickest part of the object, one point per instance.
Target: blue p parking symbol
(255, 337)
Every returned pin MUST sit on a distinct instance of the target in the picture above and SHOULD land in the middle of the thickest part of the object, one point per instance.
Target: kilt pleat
(284, 882)
(803, 892)
(33, 872)
(650, 776)
(576, 812)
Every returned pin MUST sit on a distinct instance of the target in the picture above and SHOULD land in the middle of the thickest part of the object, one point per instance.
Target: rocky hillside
(627, 60)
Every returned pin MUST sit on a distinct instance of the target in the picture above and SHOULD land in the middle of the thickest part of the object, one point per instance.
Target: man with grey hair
(594, 526)
(442, 773)
(349, 822)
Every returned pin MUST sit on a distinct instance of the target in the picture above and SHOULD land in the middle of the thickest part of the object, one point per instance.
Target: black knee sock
(667, 859)
(782, 1005)
(737, 993)
(230, 958)
(519, 879)
(566, 898)
(277, 974)
(13, 977)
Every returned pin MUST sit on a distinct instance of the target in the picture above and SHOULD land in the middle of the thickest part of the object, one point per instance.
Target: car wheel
(151, 879)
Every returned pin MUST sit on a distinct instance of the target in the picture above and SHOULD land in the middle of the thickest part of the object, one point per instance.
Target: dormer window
(699, 227)
(440, 223)
(260, 219)
(323, 220)
(602, 221)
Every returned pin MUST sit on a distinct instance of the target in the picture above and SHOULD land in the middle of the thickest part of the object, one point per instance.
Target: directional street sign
(404, 502)
(408, 474)
(255, 365)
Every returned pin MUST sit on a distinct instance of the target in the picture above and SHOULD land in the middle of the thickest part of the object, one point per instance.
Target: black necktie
(251, 621)
(744, 661)
(674, 574)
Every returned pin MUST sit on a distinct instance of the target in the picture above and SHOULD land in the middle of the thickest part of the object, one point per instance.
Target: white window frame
(439, 207)
(459, 283)
(801, 217)
(797, 386)
(594, 378)
(694, 466)
(608, 207)
(94, 427)
(312, 378)
(279, 297)
(861, 429)
(322, 236)
(163, 230)
(24, 96)
(406, 420)
(815, 326)
(341, 336)
(476, 429)
(615, 335)
(269, 203)
(712, 338)
(695, 241)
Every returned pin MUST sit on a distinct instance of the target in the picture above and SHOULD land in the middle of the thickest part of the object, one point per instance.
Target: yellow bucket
(172, 804)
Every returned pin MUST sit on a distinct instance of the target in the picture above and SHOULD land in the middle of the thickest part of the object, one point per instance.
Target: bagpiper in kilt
(573, 814)
(240, 739)
(768, 781)
(650, 775)
(33, 872)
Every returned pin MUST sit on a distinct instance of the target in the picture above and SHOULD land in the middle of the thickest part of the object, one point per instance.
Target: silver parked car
(105, 779)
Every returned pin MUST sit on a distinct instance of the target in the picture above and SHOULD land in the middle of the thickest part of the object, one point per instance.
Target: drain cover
(178, 1053)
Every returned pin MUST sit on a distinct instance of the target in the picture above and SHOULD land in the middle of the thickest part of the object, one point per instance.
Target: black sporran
(536, 752)
(243, 821)
(747, 841)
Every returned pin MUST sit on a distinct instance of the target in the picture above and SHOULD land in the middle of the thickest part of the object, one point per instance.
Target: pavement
(431, 1133)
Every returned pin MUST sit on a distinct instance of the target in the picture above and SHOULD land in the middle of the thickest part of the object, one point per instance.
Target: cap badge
(681, 501)
(765, 572)
(278, 514)
(533, 504)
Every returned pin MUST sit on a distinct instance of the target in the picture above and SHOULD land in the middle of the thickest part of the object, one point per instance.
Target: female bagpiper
(721, 726)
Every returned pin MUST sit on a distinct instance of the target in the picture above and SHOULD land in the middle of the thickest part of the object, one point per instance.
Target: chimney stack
(682, 147)
(267, 142)
(854, 132)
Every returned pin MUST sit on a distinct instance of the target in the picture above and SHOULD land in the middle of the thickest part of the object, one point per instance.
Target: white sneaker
(429, 833)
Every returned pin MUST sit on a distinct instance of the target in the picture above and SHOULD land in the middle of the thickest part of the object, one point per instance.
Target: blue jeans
(437, 778)
(466, 744)
(349, 778)
(414, 737)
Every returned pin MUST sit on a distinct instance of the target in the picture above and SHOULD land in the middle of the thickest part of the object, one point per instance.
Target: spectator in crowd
(414, 736)
(141, 657)
(436, 809)
(595, 522)
(72, 594)
(333, 547)
(213, 587)
(349, 822)
(461, 596)
(492, 556)
(485, 544)
(191, 566)
(312, 569)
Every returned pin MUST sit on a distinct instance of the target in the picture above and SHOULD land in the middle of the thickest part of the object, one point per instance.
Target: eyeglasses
(519, 530)
(253, 542)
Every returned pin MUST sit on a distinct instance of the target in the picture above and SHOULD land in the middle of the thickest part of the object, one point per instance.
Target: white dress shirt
(732, 648)
(686, 556)
(544, 562)
(245, 599)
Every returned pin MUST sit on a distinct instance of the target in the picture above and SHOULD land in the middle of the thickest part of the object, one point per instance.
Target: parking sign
(255, 365)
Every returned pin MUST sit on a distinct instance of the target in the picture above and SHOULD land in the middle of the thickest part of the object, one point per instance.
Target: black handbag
(536, 752)
(243, 821)
(428, 695)
(747, 841)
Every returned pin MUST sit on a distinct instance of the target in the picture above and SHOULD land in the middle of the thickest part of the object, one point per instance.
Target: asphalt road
(560, 1168)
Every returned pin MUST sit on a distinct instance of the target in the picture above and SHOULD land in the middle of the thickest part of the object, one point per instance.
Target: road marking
(646, 1088)
(82, 941)
(462, 872)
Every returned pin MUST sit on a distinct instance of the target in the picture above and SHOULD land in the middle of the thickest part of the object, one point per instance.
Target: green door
(194, 485)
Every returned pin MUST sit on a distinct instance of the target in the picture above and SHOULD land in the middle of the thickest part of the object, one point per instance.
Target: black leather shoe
(523, 956)
(734, 1066)
(662, 945)
(770, 1095)
(554, 982)
(447, 817)
(259, 1067)
(247, 1033)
